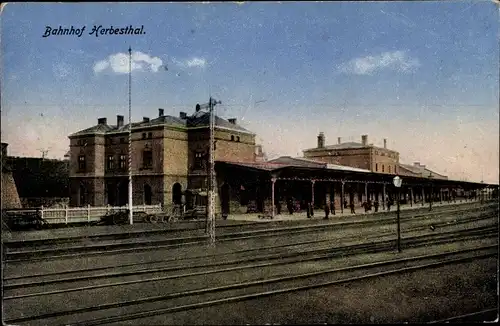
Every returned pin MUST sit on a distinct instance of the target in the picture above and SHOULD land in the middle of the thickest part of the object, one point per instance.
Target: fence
(68, 215)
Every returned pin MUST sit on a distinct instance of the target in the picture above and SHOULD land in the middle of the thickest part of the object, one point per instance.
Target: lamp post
(431, 193)
(397, 181)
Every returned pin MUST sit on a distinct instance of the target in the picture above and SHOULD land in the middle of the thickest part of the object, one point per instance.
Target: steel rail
(155, 244)
(378, 235)
(326, 253)
(237, 298)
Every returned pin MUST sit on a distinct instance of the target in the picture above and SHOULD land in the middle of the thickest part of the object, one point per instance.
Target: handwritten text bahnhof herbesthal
(96, 30)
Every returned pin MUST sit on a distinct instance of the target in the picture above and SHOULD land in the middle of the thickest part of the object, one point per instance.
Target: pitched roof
(421, 171)
(298, 161)
(200, 119)
(306, 162)
(347, 145)
(346, 168)
(97, 129)
(267, 166)
(411, 168)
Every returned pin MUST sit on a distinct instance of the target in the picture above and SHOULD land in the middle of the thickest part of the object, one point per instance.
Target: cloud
(119, 63)
(396, 60)
(192, 63)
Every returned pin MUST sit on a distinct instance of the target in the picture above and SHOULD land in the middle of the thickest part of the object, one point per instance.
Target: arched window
(83, 198)
(243, 196)
(148, 194)
(232, 138)
(177, 194)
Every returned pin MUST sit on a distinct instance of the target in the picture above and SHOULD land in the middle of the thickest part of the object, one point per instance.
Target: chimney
(232, 120)
(321, 140)
(119, 121)
(339, 140)
(161, 112)
(364, 140)
(385, 143)
(101, 121)
(183, 115)
(198, 108)
(145, 119)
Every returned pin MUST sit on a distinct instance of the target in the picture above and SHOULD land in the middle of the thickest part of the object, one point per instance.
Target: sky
(423, 75)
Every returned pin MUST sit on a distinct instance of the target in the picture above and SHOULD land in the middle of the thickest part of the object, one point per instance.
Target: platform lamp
(431, 197)
(397, 181)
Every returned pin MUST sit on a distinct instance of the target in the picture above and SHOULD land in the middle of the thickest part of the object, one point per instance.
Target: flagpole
(130, 197)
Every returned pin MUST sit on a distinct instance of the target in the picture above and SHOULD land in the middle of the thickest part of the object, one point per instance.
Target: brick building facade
(169, 156)
(369, 157)
(359, 155)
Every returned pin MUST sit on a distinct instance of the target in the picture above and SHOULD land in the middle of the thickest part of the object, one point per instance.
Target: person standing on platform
(289, 205)
(375, 205)
(308, 210)
(327, 210)
(332, 207)
(352, 207)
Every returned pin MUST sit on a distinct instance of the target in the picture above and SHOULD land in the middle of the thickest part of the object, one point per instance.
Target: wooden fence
(67, 215)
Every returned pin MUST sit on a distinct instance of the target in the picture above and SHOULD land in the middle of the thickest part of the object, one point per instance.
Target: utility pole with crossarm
(211, 165)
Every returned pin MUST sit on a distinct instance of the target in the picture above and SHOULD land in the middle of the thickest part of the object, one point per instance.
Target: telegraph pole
(130, 197)
(211, 191)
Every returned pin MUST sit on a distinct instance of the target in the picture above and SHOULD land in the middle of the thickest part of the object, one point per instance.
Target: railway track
(118, 312)
(11, 254)
(486, 315)
(218, 295)
(352, 220)
(301, 254)
(255, 254)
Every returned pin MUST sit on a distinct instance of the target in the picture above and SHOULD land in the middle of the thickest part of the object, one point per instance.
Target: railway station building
(169, 160)
(250, 187)
(169, 155)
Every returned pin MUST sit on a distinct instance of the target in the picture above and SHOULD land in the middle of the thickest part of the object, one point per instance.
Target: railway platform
(197, 226)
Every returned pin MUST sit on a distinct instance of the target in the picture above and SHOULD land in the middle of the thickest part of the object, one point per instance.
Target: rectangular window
(110, 163)
(123, 161)
(389, 169)
(147, 159)
(199, 160)
(150, 135)
(81, 163)
(376, 167)
(383, 168)
(122, 140)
